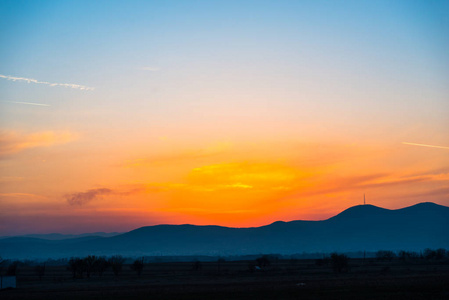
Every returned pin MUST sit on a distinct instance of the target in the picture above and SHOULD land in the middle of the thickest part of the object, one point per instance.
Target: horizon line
(122, 232)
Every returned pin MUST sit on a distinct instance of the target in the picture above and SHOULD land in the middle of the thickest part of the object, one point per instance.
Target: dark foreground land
(303, 279)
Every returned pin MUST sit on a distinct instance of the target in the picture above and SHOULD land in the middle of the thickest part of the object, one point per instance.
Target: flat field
(283, 279)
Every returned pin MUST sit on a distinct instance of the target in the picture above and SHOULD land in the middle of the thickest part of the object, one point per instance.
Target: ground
(285, 279)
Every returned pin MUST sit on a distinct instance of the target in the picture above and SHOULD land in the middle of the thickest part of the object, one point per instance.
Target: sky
(121, 114)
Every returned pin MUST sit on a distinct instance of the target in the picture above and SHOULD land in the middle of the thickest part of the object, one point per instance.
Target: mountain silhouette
(359, 228)
(59, 236)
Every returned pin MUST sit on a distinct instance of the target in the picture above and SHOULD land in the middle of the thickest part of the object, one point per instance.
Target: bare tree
(77, 266)
(339, 262)
(138, 265)
(406, 255)
(116, 263)
(101, 265)
(90, 262)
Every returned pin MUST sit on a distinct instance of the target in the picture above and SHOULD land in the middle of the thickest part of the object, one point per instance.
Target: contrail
(30, 80)
(423, 145)
(28, 103)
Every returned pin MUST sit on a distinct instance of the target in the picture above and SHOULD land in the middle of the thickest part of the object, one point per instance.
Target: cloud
(20, 195)
(81, 198)
(85, 197)
(27, 103)
(13, 142)
(17, 201)
(30, 80)
(425, 145)
(444, 171)
(365, 182)
(440, 192)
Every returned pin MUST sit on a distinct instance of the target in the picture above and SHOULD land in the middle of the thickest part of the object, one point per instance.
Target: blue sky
(204, 49)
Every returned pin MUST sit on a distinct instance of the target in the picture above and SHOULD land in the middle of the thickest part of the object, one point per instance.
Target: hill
(363, 227)
(59, 236)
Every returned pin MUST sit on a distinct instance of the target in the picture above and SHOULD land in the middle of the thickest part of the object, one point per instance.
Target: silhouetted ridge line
(361, 211)
(359, 228)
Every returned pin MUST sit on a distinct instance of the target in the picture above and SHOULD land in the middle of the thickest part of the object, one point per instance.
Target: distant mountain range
(359, 228)
(60, 236)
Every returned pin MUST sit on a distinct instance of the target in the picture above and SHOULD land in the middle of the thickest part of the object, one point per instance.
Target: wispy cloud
(31, 80)
(20, 195)
(424, 145)
(370, 182)
(440, 192)
(27, 103)
(82, 198)
(13, 142)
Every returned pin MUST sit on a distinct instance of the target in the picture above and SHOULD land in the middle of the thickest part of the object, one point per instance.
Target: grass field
(283, 279)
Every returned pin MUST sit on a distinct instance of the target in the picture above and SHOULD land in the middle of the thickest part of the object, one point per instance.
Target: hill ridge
(359, 228)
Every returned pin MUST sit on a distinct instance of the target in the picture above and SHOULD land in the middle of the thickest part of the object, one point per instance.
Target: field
(283, 279)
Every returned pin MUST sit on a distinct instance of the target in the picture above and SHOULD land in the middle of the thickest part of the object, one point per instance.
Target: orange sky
(124, 115)
(79, 188)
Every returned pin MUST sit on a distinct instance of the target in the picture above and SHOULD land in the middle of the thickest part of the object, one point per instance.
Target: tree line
(98, 265)
(89, 265)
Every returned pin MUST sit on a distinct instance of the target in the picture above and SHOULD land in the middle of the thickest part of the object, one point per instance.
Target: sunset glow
(117, 115)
